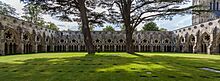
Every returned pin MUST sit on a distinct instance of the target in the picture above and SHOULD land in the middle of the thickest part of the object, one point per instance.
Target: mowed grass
(109, 67)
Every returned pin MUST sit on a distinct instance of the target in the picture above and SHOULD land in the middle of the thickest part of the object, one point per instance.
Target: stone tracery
(17, 39)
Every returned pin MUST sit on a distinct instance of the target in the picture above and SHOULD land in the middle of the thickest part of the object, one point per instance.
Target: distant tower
(213, 5)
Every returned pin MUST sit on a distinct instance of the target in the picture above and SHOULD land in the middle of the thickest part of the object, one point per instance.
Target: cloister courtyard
(109, 40)
(110, 66)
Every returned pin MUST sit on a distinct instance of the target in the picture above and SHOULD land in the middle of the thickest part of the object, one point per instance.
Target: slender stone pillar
(52, 48)
(209, 45)
(21, 45)
(162, 48)
(78, 47)
(67, 48)
(114, 48)
(103, 49)
(2, 48)
(195, 45)
(209, 49)
(2, 45)
(152, 48)
(139, 48)
(45, 48)
(35, 48)
(22, 48)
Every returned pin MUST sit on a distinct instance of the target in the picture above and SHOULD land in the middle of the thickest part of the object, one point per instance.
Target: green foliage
(109, 28)
(32, 13)
(162, 29)
(41, 23)
(6, 9)
(52, 26)
(150, 27)
(122, 27)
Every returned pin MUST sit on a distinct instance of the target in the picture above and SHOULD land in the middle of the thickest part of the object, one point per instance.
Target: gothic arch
(204, 42)
(191, 41)
(12, 41)
(28, 43)
(12, 34)
(39, 40)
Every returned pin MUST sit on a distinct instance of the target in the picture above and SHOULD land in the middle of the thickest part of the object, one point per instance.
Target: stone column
(152, 48)
(103, 49)
(22, 44)
(139, 48)
(2, 45)
(78, 47)
(22, 48)
(209, 49)
(52, 48)
(209, 44)
(45, 48)
(162, 48)
(195, 45)
(35, 48)
(114, 48)
(67, 48)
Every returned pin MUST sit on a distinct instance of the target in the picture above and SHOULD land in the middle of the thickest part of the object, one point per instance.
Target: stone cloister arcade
(200, 38)
(20, 37)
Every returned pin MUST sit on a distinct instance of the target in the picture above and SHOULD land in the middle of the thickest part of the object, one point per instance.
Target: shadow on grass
(139, 55)
(109, 68)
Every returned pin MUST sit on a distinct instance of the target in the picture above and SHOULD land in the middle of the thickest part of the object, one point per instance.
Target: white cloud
(62, 25)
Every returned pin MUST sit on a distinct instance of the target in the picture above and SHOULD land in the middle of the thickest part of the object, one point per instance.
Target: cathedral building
(21, 37)
(212, 8)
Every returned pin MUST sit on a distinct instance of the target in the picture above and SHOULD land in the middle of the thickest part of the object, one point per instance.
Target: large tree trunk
(129, 34)
(129, 40)
(129, 29)
(129, 43)
(85, 28)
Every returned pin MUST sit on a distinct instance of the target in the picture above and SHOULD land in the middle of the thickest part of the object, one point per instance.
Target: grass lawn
(109, 67)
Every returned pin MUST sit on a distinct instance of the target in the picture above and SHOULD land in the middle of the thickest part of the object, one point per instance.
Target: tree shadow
(109, 68)
(136, 54)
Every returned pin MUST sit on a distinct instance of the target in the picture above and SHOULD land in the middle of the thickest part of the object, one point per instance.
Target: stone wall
(201, 17)
(200, 38)
(20, 37)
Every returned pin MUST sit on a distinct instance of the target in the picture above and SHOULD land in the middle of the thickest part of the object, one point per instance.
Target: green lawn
(109, 67)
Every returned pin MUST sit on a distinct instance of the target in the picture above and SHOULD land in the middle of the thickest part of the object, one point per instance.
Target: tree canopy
(52, 26)
(81, 11)
(162, 29)
(131, 13)
(134, 12)
(32, 13)
(151, 26)
(6, 9)
(109, 28)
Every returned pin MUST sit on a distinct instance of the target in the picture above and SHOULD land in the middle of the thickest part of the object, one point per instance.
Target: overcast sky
(177, 21)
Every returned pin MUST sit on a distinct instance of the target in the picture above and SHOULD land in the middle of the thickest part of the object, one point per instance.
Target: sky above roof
(177, 21)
